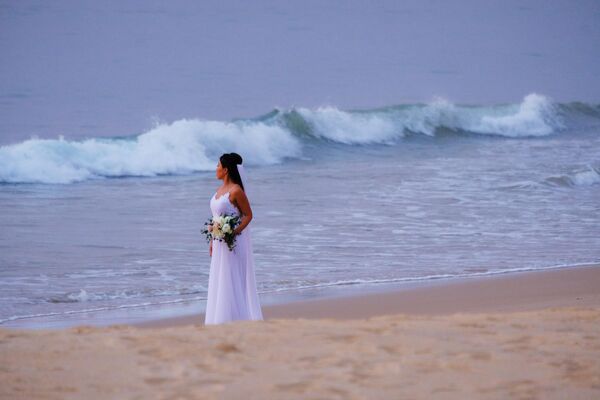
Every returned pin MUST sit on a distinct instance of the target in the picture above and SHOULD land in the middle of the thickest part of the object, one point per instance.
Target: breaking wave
(191, 145)
(583, 177)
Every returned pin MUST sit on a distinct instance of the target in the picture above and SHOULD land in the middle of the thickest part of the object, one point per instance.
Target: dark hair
(231, 161)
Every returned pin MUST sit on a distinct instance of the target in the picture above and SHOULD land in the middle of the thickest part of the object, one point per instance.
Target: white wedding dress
(232, 293)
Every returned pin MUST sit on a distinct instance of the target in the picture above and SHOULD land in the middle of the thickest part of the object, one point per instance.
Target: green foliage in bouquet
(221, 228)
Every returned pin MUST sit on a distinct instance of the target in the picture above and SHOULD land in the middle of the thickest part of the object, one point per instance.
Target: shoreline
(527, 335)
(576, 286)
(365, 300)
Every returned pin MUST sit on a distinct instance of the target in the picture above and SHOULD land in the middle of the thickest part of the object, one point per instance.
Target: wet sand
(531, 290)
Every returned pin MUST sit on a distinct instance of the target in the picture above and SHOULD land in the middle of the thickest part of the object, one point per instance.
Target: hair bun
(236, 158)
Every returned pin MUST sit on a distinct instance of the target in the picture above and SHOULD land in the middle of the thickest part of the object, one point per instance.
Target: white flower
(226, 228)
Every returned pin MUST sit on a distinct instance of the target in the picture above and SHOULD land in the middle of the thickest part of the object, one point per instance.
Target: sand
(531, 290)
(543, 341)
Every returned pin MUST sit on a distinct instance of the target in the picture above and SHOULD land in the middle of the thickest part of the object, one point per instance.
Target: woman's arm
(239, 198)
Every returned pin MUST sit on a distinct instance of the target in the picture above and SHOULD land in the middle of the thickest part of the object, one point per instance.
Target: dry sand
(550, 349)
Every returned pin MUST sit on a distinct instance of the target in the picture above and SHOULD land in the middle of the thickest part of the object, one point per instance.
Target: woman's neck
(227, 182)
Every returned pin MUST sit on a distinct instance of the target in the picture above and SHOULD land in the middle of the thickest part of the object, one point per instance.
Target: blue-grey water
(89, 68)
(92, 229)
(388, 143)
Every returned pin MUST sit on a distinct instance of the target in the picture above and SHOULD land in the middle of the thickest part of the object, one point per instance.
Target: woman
(232, 291)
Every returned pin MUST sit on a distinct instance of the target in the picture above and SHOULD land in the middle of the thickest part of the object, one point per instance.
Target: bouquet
(221, 228)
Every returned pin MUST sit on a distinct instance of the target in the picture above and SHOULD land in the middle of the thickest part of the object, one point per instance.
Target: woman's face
(221, 172)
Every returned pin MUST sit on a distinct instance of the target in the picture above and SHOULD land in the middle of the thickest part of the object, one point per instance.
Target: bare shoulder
(239, 199)
(237, 192)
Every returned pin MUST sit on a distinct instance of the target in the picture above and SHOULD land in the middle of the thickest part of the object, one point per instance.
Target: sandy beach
(417, 184)
(526, 335)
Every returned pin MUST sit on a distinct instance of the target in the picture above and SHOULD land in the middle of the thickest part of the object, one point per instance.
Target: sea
(103, 230)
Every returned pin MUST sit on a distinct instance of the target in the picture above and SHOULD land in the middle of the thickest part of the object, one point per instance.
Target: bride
(232, 291)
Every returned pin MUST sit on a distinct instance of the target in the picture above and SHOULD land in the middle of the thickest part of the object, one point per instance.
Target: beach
(524, 335)
(423, 179)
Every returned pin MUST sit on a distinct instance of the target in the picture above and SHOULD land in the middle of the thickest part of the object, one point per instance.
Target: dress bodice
(222, 205)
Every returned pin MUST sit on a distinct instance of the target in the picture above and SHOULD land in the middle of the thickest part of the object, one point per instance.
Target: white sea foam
(182, 147)
(585, 178)
(191, 145)
(351, 128)
(536, 115)
(581, 177)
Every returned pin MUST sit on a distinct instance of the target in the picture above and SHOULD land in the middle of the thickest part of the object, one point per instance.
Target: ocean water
(105, 228)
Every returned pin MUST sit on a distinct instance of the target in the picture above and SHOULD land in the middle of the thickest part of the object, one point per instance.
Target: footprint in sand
(228, 348)
(157, 380)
